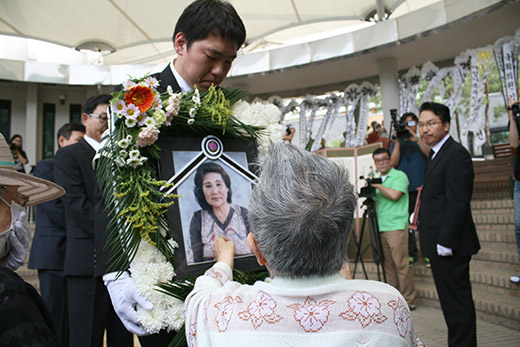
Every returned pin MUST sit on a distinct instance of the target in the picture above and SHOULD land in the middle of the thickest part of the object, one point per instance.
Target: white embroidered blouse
(318, 311)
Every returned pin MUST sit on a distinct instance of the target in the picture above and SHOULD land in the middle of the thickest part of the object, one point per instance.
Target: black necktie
(432, 152)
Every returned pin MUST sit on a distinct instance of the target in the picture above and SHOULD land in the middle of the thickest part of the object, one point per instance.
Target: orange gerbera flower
(140, 96)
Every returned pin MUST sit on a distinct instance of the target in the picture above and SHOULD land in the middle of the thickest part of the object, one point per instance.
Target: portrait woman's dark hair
(199, 177)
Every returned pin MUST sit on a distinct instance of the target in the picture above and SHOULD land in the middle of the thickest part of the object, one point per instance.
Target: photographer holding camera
(392, 219)
(514, 141)
(409, 154)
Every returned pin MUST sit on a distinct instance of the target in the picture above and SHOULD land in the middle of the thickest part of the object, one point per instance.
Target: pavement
(430, 327)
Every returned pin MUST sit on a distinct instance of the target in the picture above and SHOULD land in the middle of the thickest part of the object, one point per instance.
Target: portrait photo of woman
(218, 216)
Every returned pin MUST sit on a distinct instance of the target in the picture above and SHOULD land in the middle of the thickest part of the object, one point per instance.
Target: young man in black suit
(206, 39)
(448, 234)
(48, 245)
(89, 307)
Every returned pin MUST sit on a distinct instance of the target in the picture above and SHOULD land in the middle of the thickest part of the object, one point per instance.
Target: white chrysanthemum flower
(191, 121)
(149, 122)
(148, 268)
(123, 153)
(152, 82)
(192, 112)
(118, 107)
(130, 122)
(169, 89)
(134, 162)
(123, 143)
(134, 154)
(128, 84)
(131, 111)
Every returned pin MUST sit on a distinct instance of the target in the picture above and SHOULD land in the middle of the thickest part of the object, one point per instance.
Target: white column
(31, 139)
(389, 82)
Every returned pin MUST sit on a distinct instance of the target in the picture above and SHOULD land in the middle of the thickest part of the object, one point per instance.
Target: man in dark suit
(448, 234)
(89, 308)
(206, 39)
(48, 245)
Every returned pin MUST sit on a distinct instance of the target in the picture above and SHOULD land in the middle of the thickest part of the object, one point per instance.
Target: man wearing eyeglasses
(90, 311)
(392, 220)
(409, 154)
(448, 235)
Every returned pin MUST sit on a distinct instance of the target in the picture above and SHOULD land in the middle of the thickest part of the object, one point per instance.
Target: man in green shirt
(392, 219)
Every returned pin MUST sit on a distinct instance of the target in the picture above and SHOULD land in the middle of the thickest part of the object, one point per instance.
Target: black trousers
(91, 312)
(451, 276)
(53, 289)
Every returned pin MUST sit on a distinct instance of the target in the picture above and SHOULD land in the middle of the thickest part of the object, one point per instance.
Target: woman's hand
(224, 250)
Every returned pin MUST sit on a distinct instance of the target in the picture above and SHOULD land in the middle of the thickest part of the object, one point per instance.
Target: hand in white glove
(19, 243)
(444, 251)
(125, 298)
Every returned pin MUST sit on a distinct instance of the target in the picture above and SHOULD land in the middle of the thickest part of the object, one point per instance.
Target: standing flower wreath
(138, 240)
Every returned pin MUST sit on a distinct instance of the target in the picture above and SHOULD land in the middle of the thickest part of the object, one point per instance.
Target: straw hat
(37, 190)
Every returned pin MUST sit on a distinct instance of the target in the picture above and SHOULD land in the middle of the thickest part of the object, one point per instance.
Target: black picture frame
(180, 158)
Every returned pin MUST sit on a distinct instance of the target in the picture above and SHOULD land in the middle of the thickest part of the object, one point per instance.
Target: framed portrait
(213, 177)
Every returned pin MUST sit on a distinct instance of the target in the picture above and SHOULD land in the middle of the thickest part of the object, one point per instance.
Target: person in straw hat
(17, 191)
(24, 318)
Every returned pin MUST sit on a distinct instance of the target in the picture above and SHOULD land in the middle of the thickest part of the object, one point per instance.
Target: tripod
(375, 241)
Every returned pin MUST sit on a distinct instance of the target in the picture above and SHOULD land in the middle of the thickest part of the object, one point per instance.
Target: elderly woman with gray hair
(301, 214)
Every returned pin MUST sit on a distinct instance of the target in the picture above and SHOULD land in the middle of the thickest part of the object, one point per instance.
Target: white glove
(125, 298)
(444, 251)
(19, 242)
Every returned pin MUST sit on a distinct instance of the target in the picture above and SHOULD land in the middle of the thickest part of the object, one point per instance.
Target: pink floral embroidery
(401, 316)
(261, 310)
(224, 312)
(205, 309)
(364, 307)
(418, 342)
(312, 315)
(212, 273)
(192, 338)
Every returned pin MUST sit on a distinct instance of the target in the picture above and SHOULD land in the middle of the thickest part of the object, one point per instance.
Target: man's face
(431, 128)
(413, 128)
(382, 161)
(75, 136)
(96, 123)
(206, 61)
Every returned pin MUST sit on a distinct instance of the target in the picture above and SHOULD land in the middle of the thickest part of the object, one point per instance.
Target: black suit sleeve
(459, 187)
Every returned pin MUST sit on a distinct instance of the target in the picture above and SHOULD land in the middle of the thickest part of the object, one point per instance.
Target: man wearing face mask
(409, 154)
(24, 319)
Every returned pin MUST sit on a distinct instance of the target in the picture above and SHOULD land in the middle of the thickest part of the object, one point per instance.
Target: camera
(515, 109)
(368, 191)
(12, 147)
(400, 128)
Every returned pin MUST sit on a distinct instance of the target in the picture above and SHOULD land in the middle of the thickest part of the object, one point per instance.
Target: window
(49, 112)
(75, 113)
(5, 118)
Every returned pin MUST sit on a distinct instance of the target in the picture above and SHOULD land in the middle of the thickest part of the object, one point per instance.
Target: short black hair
(66, 130)
(409, 114)
(440, 110)
(91, 103)
(199, 177)
(381, 150)
(204, 17)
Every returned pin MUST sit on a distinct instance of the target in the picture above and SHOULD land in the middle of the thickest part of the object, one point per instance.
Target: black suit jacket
(445, 214)
(101, 262)
(73, 171)
(48, 245)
